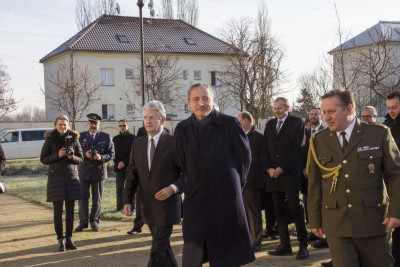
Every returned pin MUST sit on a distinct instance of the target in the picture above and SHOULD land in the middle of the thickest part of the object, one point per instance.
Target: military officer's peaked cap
(93, 117)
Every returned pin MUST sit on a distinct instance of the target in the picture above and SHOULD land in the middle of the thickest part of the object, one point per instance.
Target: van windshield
(9, 137)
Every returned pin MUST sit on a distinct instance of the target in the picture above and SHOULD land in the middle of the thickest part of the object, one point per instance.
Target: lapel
(159, 148)
(355, 138)
(143, 154)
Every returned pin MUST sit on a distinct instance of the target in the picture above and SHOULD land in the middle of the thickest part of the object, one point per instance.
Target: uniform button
(346, 175)
(344, 161)
(347, 191)
(277, 156)
(379, 205)
(326, 207)
(349, 206)
(371, 157)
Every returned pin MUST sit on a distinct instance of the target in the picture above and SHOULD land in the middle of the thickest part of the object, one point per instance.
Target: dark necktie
(152, 150)
(345, 143)
(92, 138)
(279, 125)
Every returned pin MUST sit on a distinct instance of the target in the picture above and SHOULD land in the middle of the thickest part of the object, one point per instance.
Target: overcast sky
(30, 29)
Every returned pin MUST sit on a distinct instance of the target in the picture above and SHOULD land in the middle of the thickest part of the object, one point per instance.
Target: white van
(23, 143)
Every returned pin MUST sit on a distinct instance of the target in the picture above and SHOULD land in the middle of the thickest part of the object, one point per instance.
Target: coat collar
(215, 117)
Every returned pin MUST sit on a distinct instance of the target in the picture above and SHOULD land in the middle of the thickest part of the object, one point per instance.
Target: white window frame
(109, 113)
(185, 74)
(129, 73)
(197, 75)
(107, 76)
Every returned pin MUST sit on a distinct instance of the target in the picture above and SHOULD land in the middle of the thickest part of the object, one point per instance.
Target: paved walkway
(27, 238)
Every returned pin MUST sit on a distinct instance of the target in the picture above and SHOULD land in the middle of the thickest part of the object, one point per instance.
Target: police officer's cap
(93, 117)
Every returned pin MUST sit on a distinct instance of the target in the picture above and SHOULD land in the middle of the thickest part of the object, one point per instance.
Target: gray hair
(156, 105)
(371, 110)
(201, 85)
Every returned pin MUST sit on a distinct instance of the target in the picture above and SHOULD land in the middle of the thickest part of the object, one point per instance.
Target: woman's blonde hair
(60, 117)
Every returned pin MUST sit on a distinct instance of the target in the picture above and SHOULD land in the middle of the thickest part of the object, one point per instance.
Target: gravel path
(27, 238)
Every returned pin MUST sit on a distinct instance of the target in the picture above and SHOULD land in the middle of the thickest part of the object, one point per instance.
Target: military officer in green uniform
(349, 165)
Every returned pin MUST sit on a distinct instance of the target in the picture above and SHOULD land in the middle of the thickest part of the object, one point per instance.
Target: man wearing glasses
(123, 144)
(368, 114)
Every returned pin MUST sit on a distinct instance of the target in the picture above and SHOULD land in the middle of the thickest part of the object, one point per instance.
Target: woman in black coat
(62, 152)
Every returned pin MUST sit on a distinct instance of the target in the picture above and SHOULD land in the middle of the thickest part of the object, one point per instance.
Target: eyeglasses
(122, 125)
(368, 116)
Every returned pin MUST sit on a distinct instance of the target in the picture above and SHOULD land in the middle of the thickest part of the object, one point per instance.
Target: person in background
(353, 185)
(153, 166)
(98, 149)
(369, 114)
(123, 144)
(215, 157)
(254, 187)
(283, 136)
(392, 120)
(62, 152)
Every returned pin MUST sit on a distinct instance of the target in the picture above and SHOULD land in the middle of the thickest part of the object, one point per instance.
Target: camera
(69, 145)
(93, 152)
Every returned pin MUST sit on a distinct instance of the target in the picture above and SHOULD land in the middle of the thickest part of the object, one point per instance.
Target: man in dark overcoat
(392, 120)
(255, 183)
(98, 149)
(122, 144)
(215, 157)
(353, 185)
(153, 166)
(284, 135)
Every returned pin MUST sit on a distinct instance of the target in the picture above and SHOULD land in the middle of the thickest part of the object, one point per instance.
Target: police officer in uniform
(349, 165)
(98, 149)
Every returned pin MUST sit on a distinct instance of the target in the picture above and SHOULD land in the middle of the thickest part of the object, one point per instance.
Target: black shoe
(134, 231)
(69, 244)
(321, 243)
(95, 226)
(281, 250)
(302, 253)
(61, 244)
(81, 227)
(257, 248)
(311, 237)
(327, 264)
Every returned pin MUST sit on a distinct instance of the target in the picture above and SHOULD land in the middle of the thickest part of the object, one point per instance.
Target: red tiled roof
(160, 35)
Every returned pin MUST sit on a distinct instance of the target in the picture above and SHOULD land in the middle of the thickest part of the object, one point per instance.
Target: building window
(185, 74)
(189, 41)
(129, 74)
(130, 109)
(108, 112)
(186, 108)
(197, 75)
(122, 38)
(163, 94)
(107, 76)
(215, 79)
(163, 62)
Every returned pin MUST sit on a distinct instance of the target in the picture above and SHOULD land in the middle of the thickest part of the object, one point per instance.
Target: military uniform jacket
(359, 204)
(96, 170)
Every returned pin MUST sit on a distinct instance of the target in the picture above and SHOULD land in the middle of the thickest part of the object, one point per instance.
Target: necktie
(279, 126)
(152, 150)
(92, 137)
(345, 143)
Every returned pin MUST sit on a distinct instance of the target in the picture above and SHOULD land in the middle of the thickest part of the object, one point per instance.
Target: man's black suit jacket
(164, 172)
(283, 150)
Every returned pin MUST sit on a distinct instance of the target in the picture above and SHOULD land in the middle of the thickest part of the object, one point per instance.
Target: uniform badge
(371, 168)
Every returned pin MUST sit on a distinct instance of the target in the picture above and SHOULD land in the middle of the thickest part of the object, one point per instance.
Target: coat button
(277, 156)
(379, 205)
(344, 161)
(350, 206)
(371, 157)
(347, 191)
(326, 207)
(346, 175)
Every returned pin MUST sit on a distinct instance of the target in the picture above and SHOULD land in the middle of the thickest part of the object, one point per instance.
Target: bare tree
(192, 12)
(73, 88)
(181, 9)
(162, 82)
(7, 101)
(27, 114)
(167, 10)
(253, 73)
(86, 11)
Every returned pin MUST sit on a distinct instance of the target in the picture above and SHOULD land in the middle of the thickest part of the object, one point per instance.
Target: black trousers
(282, 201)
(138, 221)
(97, 192)
(252, 200)
(120, 178)
(396, 246)
(268, 204)
(161, 254)
(69, 218)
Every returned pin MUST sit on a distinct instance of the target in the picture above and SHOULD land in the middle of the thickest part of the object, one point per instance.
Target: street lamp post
(140, 4)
